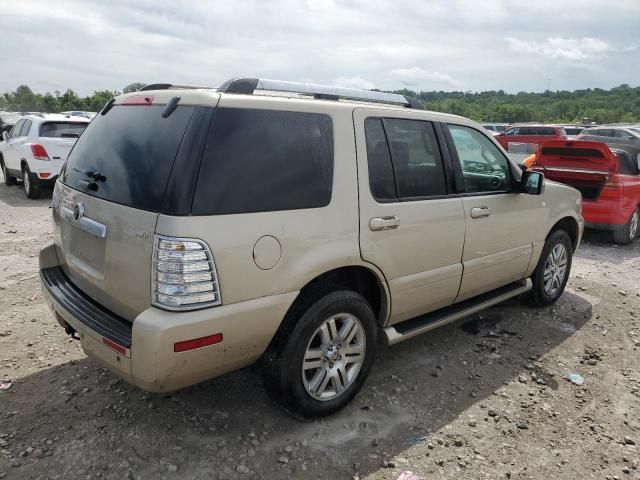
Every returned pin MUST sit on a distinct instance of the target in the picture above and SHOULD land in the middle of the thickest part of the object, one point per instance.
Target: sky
(469, 45)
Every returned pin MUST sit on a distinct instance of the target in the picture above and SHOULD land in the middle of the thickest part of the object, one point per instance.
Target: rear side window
(62, 129)
(408, 165)
(133, 148)
(265, 160)
(549, 131)
(26, 126)
(528, 131)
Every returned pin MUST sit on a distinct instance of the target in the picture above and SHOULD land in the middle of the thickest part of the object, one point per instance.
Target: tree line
(619, 104)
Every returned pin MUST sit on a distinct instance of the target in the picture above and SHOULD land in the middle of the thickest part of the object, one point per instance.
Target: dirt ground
(484, 398)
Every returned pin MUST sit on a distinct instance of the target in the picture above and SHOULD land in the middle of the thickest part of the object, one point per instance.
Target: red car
(535, 134)
(608, 180)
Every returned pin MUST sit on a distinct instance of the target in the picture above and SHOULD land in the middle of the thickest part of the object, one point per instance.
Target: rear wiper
(96, 176)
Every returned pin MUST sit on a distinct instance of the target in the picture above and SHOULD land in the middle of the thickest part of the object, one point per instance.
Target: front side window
(265, 160)
(513, 131)
(484, 167)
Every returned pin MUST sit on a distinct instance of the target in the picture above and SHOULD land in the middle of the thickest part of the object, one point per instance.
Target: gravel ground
(484, 398)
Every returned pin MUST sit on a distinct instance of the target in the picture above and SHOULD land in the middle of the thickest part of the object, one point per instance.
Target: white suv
(36, 148)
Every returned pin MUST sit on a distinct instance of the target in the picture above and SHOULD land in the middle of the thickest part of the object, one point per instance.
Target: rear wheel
(320, 359)
(30, 183)
(552, 273)
(627, 234)
(8, 178)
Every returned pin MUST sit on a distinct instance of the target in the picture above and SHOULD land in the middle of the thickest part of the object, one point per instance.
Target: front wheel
(627, 234)
(321, 357)
(552, 273)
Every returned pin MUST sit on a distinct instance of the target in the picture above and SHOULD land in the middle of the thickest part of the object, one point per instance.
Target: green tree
(133, 87)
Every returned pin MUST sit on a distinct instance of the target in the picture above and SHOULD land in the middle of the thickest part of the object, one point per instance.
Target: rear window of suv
(265, 160)
(62, 129)
(133, 148)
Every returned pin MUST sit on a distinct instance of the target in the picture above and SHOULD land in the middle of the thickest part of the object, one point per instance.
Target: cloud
(92, 45)
(419, 78)
(354, 82)
(577, 49)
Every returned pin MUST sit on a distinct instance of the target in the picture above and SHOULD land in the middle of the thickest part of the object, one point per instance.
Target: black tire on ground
(627, 234)
(8, 178)
(30, 183)
(290, 381)
(557, 253)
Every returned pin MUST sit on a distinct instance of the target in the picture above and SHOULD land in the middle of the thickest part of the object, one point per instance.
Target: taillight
(38, 151)
(184, 274)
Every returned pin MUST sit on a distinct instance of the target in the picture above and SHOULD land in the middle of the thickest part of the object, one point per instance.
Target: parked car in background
(36, 148)
(609, 180)
(199, 230)
(8, 120)
(79, 113)
(496, 128)
(572, 131)
(612, 135)
(532, 134)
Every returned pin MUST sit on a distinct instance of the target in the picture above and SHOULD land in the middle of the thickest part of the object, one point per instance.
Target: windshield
(126, 156)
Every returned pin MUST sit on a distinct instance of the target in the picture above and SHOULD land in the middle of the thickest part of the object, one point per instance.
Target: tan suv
(199, 230)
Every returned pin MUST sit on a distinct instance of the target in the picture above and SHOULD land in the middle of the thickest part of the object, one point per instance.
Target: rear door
(585, 166)
(410, 225)
(107, 201)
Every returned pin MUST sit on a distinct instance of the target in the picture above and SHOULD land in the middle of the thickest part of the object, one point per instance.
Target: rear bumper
(606, 214)
(142, 352)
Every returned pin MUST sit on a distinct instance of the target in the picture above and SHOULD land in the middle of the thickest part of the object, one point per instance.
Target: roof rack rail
(248, 86)
(167, 86)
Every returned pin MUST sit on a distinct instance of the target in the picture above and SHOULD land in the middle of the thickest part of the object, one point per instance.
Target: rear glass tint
(134, 149)
(62, 129)
(265, 160)
(572, 152)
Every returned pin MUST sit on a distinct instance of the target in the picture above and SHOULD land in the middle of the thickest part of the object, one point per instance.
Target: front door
(499, 222)
(411, 227)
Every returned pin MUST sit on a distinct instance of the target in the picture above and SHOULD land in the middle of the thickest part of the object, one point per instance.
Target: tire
(555, 260)
(331, 378)
(627, 234)
(30, 183)
(8, 178)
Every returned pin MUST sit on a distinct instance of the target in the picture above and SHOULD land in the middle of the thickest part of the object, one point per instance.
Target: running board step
(410, 328)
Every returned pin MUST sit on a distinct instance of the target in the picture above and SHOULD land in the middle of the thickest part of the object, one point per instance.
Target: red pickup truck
(609, 180)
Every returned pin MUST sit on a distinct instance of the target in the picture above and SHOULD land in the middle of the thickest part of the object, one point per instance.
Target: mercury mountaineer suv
(199, 230)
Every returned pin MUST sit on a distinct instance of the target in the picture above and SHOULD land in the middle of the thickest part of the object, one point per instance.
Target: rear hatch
(110, 193)
(585, 166)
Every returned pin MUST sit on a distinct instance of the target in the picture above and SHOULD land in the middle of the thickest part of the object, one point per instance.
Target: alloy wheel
(555, 269)
(633, 226)
(26, 181)
(334, 357)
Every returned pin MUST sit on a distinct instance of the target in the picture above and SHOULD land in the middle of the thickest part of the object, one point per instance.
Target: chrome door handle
(384, 223)
(480, 212)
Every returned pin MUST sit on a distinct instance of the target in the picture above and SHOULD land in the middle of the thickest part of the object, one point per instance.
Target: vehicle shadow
(14, 195)
(96, 423)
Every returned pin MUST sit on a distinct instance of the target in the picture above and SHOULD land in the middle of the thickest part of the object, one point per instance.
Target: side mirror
(532, 183)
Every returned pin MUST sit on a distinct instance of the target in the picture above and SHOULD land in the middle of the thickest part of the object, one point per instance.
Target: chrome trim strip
(574, 170)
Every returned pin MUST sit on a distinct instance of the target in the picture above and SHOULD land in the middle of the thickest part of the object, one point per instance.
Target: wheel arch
(569, 225)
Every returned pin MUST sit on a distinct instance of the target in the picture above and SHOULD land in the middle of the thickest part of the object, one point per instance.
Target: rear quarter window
(265, 160)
